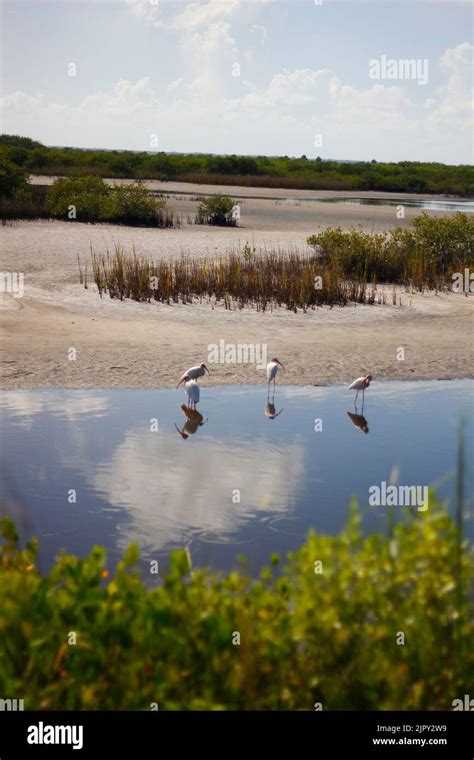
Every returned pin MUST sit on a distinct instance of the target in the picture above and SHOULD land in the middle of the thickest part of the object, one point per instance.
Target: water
(134, 483)
(424, 204)
(467, 207)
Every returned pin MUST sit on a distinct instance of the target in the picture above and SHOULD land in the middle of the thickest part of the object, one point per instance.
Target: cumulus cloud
(24, 406)
(142, 473)
(206, 110)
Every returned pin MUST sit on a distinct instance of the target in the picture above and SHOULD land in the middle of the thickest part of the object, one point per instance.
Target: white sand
(150, 345)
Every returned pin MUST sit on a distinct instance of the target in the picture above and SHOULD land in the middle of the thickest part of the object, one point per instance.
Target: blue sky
(241, 76)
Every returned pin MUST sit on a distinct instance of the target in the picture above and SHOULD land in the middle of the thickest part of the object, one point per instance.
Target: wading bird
(359, 421)
(360, 385)
(194, 420)
(270, 411)
(194, 372)
(272, 369)
(192, 389)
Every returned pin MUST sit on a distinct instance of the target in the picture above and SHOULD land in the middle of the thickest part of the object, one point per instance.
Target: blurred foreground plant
(322, 630)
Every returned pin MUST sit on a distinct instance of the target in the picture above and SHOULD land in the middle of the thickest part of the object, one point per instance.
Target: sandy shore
(150, 345)
(135, 345)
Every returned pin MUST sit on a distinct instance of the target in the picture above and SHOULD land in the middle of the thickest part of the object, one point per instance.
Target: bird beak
(207, 370)
(281, 365)
(183, 435)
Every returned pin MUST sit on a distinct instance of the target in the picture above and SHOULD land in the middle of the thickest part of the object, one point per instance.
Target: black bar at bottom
(136, 734)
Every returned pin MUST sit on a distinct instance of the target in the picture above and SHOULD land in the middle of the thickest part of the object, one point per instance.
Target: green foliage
(134, 202)
(254, 171)
(445, 241)
(216, 210)
(424, 256)
(13, 180)
(16, 141)
(95, 201)
(305, 636)
(89, 195)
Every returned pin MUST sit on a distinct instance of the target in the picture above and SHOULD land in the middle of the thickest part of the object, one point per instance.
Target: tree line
(255, 171)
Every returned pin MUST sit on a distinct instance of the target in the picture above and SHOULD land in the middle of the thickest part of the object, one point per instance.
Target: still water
(232, 481)
(467, 207)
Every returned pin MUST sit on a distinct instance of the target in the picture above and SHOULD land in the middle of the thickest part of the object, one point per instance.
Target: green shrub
(134, 202)
(90, 197)
(31, 204)
(96, 201)
(427, 254)
(446, 240)
(305, 636)
(13, 180)
(216, 210)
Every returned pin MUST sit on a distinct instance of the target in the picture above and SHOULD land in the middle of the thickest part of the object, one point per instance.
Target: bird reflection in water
(272, 369)
(270, 411)
(359, 421)
(194, 420)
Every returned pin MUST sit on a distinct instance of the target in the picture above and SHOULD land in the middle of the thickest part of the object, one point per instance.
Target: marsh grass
(266, 280)
(343, 267)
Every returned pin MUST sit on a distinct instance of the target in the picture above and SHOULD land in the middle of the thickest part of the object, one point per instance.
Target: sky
(355, 80)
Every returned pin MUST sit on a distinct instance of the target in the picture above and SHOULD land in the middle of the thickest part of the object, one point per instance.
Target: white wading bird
(192, 389)
(272, 369)
(194, 420)
(270, 411)
(360, 385)
(194, 372)
(359, 421)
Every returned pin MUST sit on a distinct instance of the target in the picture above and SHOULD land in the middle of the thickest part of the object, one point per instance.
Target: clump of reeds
(286, 279)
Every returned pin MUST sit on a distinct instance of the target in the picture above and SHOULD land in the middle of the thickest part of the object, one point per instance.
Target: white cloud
(266, 476)
(208, 110)
(146, 10)
(195, 15)
(192, 17)
(24, 406)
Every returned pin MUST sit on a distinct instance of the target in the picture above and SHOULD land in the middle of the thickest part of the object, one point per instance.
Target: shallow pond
(467, 207)
(239, 483)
